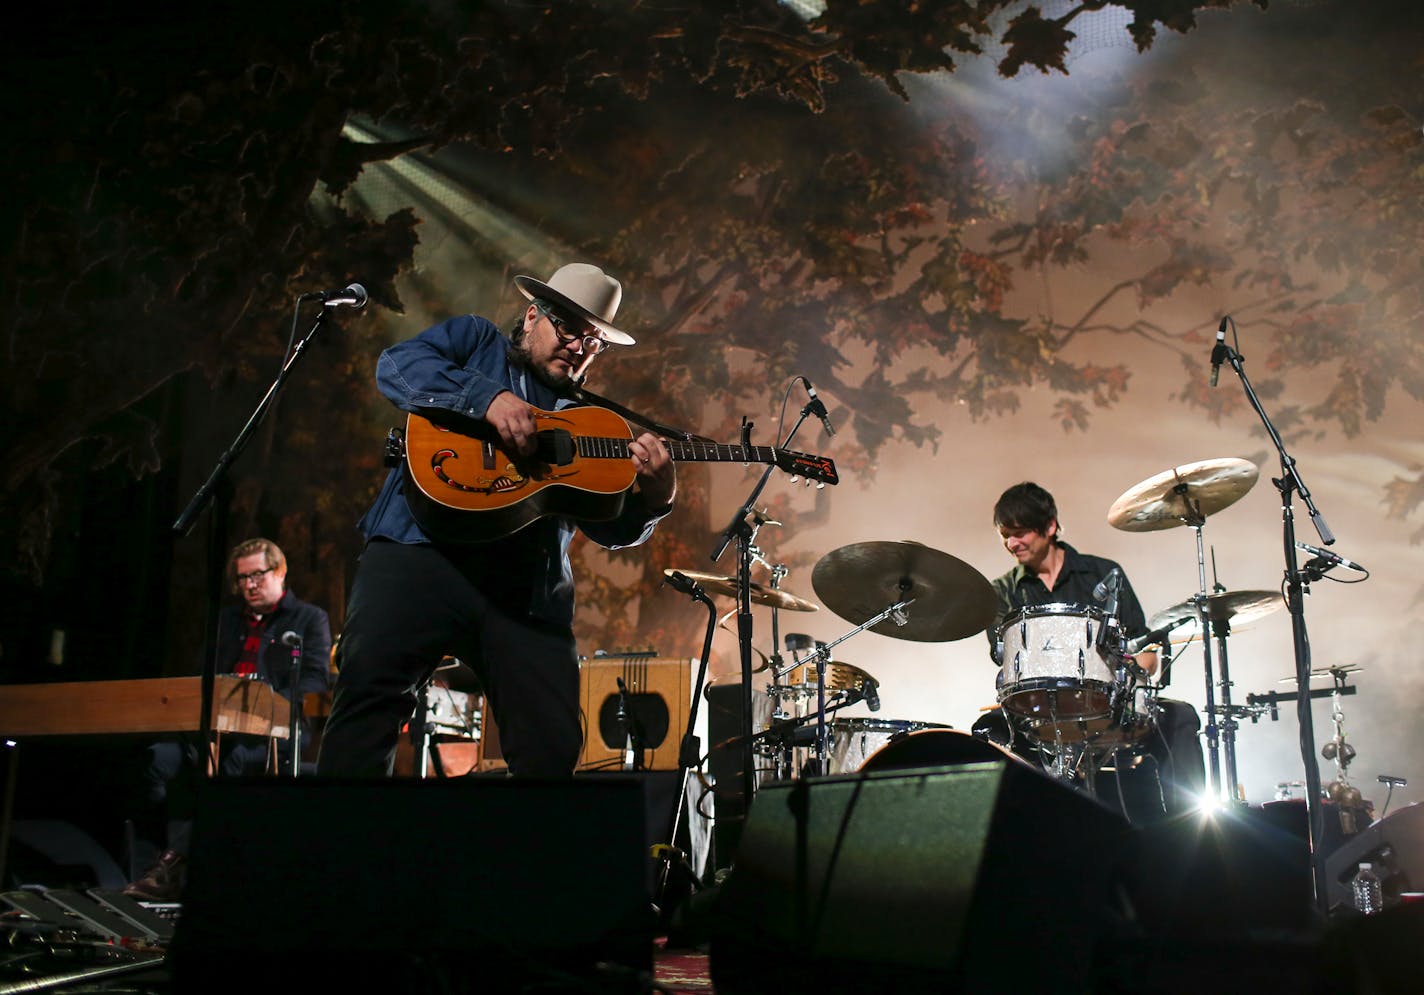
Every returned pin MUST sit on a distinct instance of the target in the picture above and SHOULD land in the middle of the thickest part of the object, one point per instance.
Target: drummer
(1050, 571)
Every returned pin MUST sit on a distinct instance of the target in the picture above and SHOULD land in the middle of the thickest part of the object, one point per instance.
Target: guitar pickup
(555, 446)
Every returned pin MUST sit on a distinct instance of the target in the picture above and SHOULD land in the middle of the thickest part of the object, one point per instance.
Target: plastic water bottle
(1369, 896)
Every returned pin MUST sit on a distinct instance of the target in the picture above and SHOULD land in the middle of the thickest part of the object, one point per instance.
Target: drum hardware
(820, 659)
(1187, 495)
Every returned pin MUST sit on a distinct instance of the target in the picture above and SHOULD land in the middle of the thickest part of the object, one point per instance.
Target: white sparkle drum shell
(1051, 666)
(852, 741)
(1136, 719)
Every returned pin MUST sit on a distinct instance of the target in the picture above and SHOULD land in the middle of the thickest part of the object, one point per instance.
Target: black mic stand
(1288, 483)
(742, 531)
(294, 718)
(631, 731)
(218, 488)
(689, 754)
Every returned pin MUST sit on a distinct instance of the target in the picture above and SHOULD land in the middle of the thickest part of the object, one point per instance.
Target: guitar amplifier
(658, 700)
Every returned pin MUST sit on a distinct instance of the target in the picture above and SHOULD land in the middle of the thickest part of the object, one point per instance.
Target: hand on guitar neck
(516, 423)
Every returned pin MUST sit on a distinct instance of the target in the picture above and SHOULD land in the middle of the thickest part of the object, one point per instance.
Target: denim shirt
(458, 366)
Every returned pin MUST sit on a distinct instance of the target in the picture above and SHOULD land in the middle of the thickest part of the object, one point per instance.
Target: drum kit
(1069, 684)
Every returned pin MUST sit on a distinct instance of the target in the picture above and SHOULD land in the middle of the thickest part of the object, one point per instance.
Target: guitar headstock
(818, 468)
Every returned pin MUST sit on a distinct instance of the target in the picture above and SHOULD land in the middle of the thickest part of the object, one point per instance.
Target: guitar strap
(584, 396)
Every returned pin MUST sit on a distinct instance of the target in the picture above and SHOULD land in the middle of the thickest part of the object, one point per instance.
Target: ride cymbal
(951, 599)
(760, 593)
(1183, 495)
(1236, 607)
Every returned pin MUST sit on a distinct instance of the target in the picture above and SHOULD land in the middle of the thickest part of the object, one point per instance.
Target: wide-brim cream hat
(585, 290)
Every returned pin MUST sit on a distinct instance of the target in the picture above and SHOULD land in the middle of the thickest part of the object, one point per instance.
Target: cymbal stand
(821, 656)
(1195, 520)
(1290, 483)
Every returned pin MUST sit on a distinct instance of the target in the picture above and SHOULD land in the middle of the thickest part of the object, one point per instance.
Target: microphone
(353, 296)
(681, 582)
(1218, 351)
(1156, 636)
(292, 638)
(817, 408)
(1108, 583)
(871, 693)
(1334, 559)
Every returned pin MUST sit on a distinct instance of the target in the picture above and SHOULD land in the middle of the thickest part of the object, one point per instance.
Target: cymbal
(456, 675)
(1330, 672)
(760, 593)
(1183, 495)
(839, 676)
(760, 662)
(952, 599)
(1236, 607)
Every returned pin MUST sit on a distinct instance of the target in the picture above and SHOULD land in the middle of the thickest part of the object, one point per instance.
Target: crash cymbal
(1237, 607)
(952, 599)
(760, 593)
(1183, 495)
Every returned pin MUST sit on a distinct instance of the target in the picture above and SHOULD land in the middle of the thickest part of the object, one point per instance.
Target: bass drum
(937, 748)
(853, 741)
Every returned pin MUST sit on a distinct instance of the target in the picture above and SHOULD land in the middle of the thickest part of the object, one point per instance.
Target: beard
(559, 384)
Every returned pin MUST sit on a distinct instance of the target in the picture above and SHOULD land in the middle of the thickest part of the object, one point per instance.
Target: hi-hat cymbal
(760, 593)
(1183, 495)
(952, 599)
(839, 677)
(1236, 607)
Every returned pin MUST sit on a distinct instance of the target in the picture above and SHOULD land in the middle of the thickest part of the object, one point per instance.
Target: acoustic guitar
(469, 488)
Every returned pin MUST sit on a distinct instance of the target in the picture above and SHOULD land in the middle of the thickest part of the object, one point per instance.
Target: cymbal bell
(951, 599)
(760, 593)
(1183, 495)
(1235, 607)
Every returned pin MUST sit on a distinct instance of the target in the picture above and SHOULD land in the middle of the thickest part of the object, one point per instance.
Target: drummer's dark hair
(1026, 506)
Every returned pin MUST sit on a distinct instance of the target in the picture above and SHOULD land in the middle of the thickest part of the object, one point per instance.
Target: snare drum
(850, 742)
(1137, 717)
(1051, 665)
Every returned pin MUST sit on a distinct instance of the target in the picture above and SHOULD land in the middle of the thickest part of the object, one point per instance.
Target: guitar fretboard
(598, 447)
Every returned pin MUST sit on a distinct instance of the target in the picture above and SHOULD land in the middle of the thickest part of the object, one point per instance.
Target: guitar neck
(598, 447)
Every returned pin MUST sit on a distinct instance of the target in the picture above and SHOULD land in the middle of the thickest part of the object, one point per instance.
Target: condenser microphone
(1334, 559)
(1218, 351)
(817, 408)
(292, 638)
(353, 296)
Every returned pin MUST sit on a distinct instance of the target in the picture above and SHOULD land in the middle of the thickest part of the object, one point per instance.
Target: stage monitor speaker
(978, 877)
(459, 885)
(1394, 844)
(659, 698)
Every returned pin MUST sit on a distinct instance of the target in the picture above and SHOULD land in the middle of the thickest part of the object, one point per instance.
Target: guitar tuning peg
(820, 485)
(794, 477)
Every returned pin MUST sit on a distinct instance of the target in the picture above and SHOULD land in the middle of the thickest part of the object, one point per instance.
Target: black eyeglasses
(244, 579)
(587, 336)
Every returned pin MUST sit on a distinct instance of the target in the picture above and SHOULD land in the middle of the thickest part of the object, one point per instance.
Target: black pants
(410, 607)
(171, 771)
